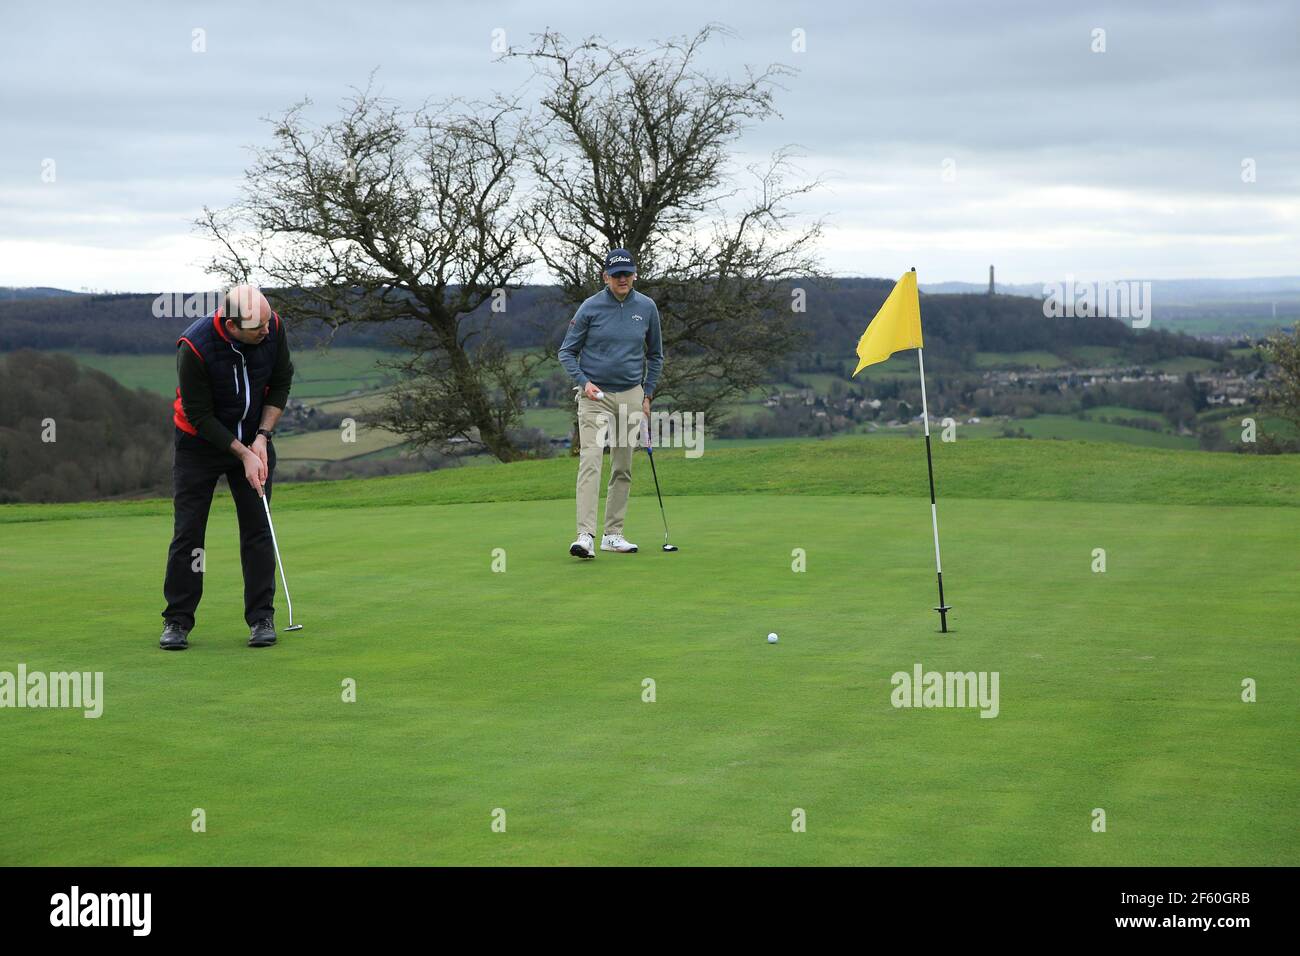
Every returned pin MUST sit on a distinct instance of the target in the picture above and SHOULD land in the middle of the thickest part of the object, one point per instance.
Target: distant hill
(956, 326)
(1169, 291)
(70, 433)
(1222, 307)
(11, 293)
(124, 323)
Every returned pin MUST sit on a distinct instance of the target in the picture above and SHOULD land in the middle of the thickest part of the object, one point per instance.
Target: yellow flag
(897, 325)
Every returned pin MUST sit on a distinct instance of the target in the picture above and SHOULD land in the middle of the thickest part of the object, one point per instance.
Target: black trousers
(196, 466)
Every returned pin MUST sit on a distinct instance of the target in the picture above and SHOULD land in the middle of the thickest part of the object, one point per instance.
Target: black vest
(240, 374)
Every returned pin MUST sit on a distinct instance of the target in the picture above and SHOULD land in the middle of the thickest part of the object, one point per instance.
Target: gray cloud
(1123, 163)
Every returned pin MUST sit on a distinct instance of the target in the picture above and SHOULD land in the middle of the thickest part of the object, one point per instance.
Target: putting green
(522, 690)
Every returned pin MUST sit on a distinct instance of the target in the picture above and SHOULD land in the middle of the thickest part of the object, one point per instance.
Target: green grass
(336, 372)
(1044, 360)
(366, 403)
(848, 465)
(760, 392)
(317, 374)
(548, 365)
(901, 365)
(1068, 428)
(328, 445)
(479, 690)
(985, 428)
(1185, 363)
(555, 422)
(748, 412)
(715, 444)
(152, 372)
(1281, 427)
(1231, 427)
(1095, 355)
(1063, 428)
(1120, 411)
(1217, 322)
(820, 382)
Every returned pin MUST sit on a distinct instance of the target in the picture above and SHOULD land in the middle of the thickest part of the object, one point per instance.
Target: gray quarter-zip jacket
(617, 345)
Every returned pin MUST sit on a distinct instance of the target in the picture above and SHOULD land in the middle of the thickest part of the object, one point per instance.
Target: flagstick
(943, 609)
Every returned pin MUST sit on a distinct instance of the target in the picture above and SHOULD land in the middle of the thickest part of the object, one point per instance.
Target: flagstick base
(943, 616)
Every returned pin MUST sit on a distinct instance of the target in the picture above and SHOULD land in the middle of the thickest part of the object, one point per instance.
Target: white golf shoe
(616, 542)
(584, 547)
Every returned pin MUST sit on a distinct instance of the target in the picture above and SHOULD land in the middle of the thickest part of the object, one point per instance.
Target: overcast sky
(1116, 164)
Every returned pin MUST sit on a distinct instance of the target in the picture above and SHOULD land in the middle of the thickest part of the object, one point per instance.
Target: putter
(645, 435)
(280, 564)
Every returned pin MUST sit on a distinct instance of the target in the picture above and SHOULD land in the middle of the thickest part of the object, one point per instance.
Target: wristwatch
(265, 432)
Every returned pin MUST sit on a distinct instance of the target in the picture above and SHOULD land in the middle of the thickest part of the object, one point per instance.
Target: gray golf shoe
(174, 637)
(262, 633)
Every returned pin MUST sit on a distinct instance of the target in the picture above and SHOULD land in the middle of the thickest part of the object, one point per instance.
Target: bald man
(233, 377)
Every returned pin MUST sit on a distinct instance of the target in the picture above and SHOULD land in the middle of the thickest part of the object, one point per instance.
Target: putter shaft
(278, 563)
(658, 494)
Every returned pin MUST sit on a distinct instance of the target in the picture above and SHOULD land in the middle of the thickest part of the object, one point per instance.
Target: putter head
(670, 547)
(294, 627)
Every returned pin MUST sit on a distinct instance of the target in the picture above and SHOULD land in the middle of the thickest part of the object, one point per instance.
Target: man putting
(613, 345)
(233, 372)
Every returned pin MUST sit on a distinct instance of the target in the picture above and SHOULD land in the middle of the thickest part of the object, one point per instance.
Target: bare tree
(632, 151)
(382, 216)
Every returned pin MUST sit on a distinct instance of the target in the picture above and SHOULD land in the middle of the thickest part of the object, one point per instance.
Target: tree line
(71, 433)
(828, 315)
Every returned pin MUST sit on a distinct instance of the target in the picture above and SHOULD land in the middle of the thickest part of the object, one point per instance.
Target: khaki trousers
(598, 418)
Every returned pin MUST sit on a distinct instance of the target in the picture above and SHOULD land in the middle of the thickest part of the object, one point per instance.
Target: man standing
(614, 344)
(234, 373)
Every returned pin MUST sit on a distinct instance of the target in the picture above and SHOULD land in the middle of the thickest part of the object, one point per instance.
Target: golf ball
(771, 638)
(600, 394)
